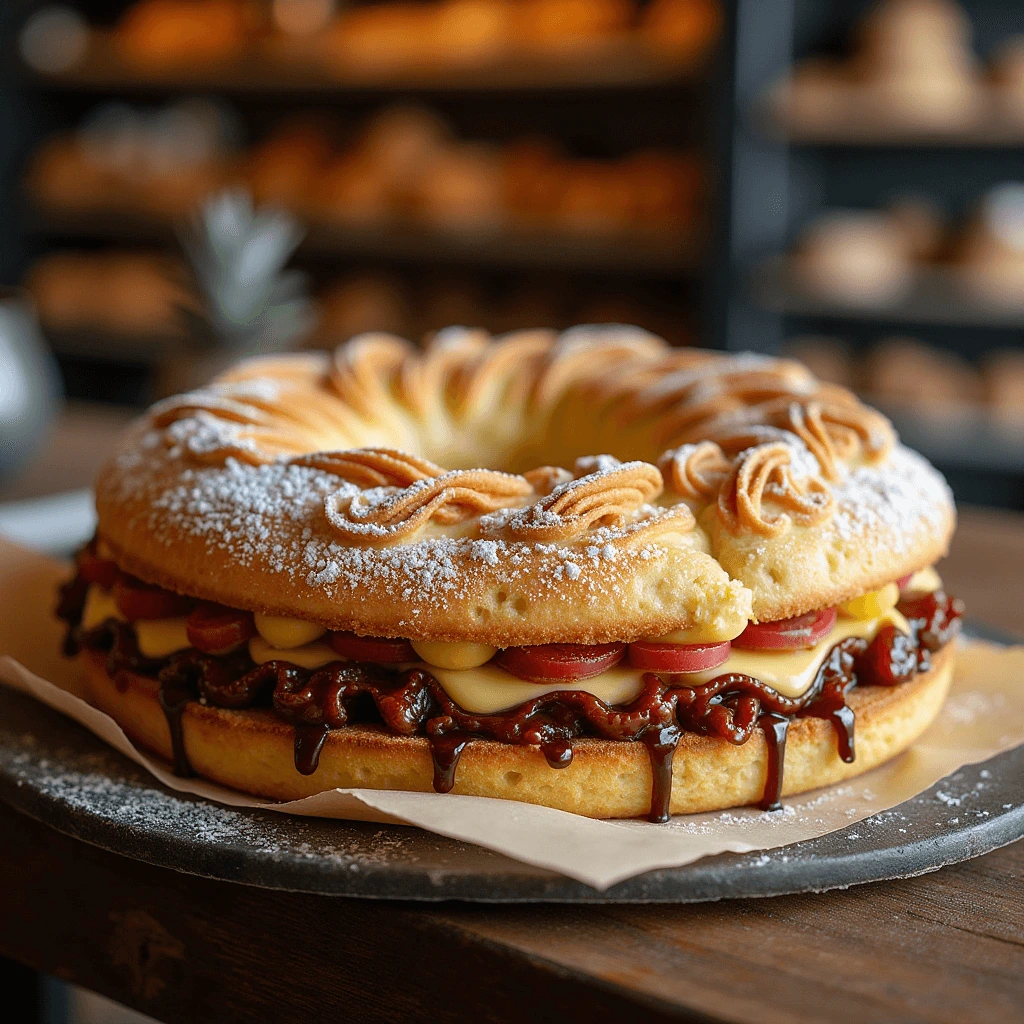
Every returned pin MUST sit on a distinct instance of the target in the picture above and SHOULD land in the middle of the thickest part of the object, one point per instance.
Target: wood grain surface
(944, 947)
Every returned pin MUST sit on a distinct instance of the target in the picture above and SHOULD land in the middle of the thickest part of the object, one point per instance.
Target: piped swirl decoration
(607, 497)
(763, 476)
(732, 427)
(384, 515)
(695, 472)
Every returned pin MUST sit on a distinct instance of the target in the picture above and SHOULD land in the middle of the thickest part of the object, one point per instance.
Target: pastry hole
(520, 604)
(480, 613)
(774, 575)
(513, 778)
(501, 597)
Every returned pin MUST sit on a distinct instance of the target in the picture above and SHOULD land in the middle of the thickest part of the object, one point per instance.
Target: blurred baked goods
(160, 162)
(855, 257)
(915, 66)
(912, 69)
(904, 374)
(1003, 384)
(1007, 79)
(904, 371)
(395, 38)
(170, 33)
(989, 255)
(361, 303)
(283, 170)
(564, 26)
(406, 164)
(921, 225)
(681, 28)
(115, 292)
(416, 305)
(829, 359)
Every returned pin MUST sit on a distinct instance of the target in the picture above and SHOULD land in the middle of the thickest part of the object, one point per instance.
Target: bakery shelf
(934, 299)
(649, 254)
(960, 438)
(989, 133)
(625, 66)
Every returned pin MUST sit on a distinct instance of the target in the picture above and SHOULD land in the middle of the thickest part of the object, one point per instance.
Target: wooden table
(945, 947)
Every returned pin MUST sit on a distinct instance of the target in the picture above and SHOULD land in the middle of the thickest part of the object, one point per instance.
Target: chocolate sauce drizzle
(412, 702)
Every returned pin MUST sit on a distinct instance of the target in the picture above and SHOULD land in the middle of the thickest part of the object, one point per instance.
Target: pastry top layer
(348, 489)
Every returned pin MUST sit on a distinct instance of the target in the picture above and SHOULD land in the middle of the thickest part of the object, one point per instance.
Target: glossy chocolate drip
(661, 747)
(70, 605)
(309, 741)
(775, 729)
(173, 699)
(446, 752)
(412, 702)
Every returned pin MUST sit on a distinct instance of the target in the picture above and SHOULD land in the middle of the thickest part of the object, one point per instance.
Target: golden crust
(253, 751)
(332, 489)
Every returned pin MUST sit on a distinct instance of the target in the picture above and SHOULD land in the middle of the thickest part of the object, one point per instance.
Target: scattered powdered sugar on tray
(100, 785)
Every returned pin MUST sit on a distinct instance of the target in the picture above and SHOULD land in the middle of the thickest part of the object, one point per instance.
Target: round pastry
(584, 570)
(859, 257)
(915, 66)
(989, 256)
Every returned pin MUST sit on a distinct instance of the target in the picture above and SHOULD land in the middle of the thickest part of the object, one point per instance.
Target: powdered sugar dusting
(906, 499)
(274, 516)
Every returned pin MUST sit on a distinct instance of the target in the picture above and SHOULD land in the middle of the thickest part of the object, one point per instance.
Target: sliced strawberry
(216, 629)
(380, 649)
(787, 634)
(658, 657)
(556, 663)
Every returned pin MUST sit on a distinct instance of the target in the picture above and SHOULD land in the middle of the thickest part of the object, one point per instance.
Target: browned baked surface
(538, 488)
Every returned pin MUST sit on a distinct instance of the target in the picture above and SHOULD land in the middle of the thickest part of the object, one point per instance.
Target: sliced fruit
(658, 657)
(380, 649)
(553, 663)
(873, 605)
(787, 634)
(215, 629)
(137, 600)
(455, 654)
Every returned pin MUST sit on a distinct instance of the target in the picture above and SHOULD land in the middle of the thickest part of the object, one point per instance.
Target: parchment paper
(983, 716)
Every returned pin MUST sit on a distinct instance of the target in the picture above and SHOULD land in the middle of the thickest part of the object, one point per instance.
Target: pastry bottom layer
(254, 751)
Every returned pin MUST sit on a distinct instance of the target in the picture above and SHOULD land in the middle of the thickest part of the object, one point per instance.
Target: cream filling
(158, 638)
(489, 689)
(927, 580)
(99, 606)
(308, 656)
(793, 672)
(285, 632)
(486, 689)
